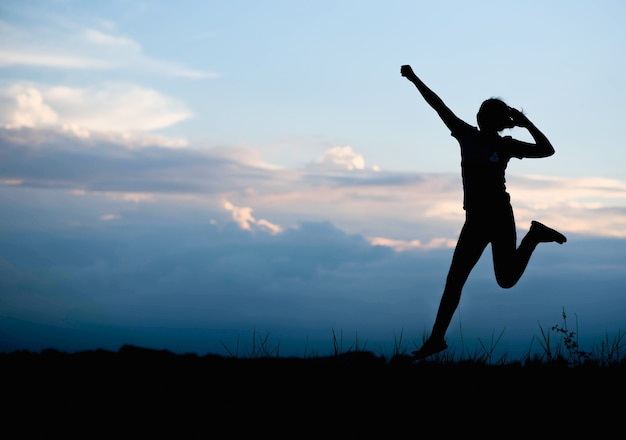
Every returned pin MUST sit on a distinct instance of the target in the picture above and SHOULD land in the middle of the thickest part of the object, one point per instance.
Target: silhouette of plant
(549, 355)
(563, 349)
(482, 355)
(576, 356)
(487, 351)
(260, 347)
(398, 349)
(338, 344)
(611, 351)
(234, 354)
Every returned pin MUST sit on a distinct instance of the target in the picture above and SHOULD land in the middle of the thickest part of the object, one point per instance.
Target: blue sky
(179, 175)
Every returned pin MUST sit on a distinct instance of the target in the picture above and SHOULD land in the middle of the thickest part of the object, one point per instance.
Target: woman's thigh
(473, 240)
(506, 261)
(503, 235)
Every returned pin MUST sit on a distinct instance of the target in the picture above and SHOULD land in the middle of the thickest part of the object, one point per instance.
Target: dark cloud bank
(204, 288)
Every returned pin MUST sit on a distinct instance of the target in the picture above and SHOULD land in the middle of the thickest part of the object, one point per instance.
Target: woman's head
(494, 115)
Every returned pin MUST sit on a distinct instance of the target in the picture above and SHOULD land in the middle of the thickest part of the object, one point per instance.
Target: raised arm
(542, 146)
(446, 115)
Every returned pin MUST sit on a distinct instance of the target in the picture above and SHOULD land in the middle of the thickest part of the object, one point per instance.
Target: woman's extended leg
(470, 246)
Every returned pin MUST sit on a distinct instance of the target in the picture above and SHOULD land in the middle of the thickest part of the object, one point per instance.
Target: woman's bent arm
(542, 146)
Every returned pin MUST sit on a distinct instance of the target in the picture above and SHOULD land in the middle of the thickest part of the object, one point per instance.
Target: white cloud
(116, 107)
(245, 155)
(268, 226)
(405, 245)
(130, 197)
(109, 217)
(101, 38)
(72, 46)
(11, 182)
(242, 215)
(589, 205)
(29, 109)
(109, 107)
(40, 59)
(342, 158)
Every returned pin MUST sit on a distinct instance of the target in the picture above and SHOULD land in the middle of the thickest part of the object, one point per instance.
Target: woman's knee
(506, 281)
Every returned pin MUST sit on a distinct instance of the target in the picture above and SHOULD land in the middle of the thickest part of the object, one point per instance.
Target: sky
(225, 177)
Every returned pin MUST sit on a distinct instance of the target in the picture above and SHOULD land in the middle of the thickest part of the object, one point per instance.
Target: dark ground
(141, 392)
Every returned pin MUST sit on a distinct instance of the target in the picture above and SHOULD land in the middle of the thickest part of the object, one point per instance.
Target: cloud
(73, 46)
(405, 245)
(399, 210)
(243, 217)
(29, 109)
(121, 108)
(175, 284)
(594, 206)
(128, 197)
(341, 158)
(101, 38)
(109, 217)
(38, 59)
(11, 181)
(57, 159)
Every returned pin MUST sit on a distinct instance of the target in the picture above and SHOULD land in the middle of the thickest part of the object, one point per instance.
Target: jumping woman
(488, 211)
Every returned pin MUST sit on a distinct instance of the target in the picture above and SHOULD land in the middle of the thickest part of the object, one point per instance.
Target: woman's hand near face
(519, 119)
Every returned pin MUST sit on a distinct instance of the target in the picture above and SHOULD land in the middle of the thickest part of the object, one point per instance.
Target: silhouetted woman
(488, 212)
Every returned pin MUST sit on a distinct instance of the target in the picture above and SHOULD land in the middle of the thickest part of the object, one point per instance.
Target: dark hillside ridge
(156, 388)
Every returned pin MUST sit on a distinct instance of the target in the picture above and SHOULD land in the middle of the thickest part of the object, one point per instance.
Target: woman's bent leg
(510, 263)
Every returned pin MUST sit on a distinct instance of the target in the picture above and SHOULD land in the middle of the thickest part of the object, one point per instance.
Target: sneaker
(546, 234)
(429, 348)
